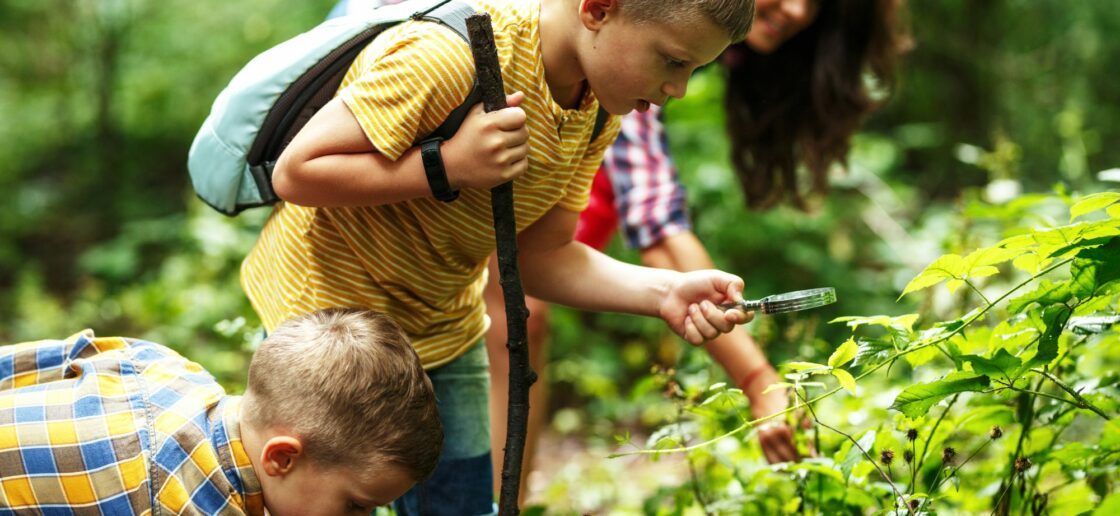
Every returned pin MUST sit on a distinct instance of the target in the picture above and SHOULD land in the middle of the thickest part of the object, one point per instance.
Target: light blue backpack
(272, 97)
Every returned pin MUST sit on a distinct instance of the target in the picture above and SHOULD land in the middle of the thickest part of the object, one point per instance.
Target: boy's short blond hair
(349, 385)
(735, 16)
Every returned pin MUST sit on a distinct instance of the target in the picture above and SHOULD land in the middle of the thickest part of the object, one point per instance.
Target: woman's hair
(802, 103)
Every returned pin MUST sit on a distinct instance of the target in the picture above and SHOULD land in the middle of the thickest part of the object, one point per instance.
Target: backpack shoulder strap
(600, 121)
(453, 14)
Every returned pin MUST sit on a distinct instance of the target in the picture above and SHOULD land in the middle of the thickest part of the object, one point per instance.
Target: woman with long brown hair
(797, 88)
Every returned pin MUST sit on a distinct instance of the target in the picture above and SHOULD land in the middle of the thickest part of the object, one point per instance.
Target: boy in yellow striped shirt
(361, 227)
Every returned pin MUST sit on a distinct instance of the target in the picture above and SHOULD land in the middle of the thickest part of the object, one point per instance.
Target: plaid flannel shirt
(648, 194)
(118, 426)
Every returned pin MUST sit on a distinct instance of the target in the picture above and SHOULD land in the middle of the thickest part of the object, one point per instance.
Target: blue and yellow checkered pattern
(118, 426)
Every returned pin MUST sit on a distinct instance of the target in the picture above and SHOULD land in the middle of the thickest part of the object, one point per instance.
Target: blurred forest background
(99, 227)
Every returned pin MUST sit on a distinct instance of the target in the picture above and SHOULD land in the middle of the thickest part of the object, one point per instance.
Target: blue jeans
(462, 483)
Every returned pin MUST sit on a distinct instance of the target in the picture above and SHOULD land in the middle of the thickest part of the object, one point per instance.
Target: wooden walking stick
(521, 375)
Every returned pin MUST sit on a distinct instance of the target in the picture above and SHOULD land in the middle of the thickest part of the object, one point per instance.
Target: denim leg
(462, 483)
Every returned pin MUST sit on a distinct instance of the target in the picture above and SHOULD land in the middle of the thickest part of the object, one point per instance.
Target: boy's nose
(675, 88)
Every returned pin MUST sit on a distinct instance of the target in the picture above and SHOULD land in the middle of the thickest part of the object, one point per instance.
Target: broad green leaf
(983, 271)
(922, 356)
(1113, 211)
(855, 321)
(846, 380)
(1109, 507)
(954, 285)
(1110, 438)
(854, 455)
(1075, 498)
(1030, 263)
(775, 386)
(1047, 293)
(844, 353)
(1093, 203)
(1095, 267)
(792, 506)
(1002, 364)
(988, 256)
(1055, 317)
(873, 352)
(949, 266)
(1059, 242)
(916, 400)
(801, 366)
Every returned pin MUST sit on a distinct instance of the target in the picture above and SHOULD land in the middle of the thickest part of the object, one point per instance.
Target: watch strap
(433, 169)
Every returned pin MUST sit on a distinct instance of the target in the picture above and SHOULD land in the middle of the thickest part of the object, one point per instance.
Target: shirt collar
(226, 436)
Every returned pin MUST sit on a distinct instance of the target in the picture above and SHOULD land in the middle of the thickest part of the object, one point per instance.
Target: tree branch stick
(521, 375)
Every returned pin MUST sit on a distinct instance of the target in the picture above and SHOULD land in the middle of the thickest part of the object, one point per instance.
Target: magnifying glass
(787, 302)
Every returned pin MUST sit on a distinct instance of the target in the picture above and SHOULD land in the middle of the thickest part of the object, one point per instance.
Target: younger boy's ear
(593, 12)
(279, 455)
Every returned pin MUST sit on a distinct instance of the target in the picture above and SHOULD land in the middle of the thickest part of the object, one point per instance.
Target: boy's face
(309, 490)
(632, 65)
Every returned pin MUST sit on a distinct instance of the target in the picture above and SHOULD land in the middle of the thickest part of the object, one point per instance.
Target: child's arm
(360, 149)
(736, 351)
(558, 269)
(331, 162)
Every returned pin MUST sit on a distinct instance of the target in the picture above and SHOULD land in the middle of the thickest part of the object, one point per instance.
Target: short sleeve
(649, 196)
(405, 83)
(578, 193)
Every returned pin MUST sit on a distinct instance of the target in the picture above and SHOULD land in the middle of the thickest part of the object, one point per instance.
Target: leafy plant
(1018, 376)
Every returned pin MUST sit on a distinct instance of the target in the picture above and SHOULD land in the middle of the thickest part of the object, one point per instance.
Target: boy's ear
(279, 455)
(594, 12)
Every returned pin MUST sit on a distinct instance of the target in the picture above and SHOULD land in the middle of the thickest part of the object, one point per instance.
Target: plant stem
(898, 494)
(974, 289)
(929, 439)
(1084, 403)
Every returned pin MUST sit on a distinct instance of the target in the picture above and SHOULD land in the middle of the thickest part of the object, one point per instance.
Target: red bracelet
(753, 375)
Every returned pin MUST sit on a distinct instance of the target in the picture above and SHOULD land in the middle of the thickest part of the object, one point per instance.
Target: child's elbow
(286, 178)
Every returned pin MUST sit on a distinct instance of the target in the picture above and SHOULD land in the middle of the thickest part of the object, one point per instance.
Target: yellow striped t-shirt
(423, 261)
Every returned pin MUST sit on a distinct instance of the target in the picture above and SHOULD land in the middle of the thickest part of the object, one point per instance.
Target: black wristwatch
(433, 168)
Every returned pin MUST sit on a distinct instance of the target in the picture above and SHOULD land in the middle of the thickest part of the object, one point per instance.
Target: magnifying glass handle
(745, 305)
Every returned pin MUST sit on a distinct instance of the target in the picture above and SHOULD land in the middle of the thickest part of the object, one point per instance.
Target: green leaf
(1047, 293)
(846, 380)
(1095, 267)
(801, 366)
(1110, 438)
(916, 400)
(922, 356)
(844, 353)
(905, 322)
(1109, 507)
(873, 352)
(946, 267)
(1055, 317)
(854, 455)
(1093, 203)
(1002, 364)
(1030, 263)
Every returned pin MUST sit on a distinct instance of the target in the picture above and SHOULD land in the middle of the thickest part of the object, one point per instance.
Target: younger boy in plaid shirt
(339, 417)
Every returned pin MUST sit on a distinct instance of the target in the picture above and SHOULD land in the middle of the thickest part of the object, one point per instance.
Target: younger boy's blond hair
(734, 16)
(347, 383)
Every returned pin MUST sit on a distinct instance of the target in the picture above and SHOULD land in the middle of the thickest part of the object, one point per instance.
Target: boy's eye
(674, 63)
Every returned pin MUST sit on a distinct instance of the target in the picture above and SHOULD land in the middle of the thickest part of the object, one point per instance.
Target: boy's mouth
(642, 106)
